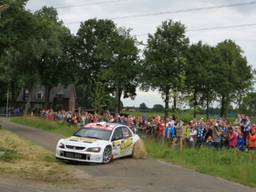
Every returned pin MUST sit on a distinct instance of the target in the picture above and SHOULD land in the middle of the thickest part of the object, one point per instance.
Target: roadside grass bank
(22, 159)
(229, 164)
(52, 126)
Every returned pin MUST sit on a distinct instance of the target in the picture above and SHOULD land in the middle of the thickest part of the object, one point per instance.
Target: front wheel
(107, 155)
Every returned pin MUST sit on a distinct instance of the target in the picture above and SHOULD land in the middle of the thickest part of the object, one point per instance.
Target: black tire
(107, 155)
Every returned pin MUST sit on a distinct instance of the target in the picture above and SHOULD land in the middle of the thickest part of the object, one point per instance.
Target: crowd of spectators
(213, 133)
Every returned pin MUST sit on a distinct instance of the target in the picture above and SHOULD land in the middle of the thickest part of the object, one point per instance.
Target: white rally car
(98, 143)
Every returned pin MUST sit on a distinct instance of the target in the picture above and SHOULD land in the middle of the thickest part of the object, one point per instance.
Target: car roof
(103, 125)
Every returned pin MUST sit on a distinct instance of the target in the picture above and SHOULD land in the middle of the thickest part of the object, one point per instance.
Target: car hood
(84, 142)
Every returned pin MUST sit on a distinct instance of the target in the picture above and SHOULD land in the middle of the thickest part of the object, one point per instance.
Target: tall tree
(199, 74)
(32, 45)
(16, 29)
(233, 73)
(123, 69)
(107, 54)
(90, 38)
(164, 65)
(52, 67)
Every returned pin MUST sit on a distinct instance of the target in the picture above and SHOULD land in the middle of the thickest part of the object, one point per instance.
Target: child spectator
(232, 136)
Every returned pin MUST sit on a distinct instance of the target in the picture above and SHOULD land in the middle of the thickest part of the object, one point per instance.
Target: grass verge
(228, 164)
(21, 158)
(52, 126)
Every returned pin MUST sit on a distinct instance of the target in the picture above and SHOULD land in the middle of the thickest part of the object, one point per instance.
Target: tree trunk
(224, 106)
(174, 101)
(12, 94)
(47, 96)
(118, 99)
(239, 103)
(195, 103)
(166, 101)
(28, 103)
(207, 106)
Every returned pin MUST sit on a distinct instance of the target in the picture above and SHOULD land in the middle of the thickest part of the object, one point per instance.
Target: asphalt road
(136, 175)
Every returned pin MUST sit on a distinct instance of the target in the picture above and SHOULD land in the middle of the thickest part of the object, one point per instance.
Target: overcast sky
(245, 36)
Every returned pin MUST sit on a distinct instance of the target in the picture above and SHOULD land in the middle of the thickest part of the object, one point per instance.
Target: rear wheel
(107, 155)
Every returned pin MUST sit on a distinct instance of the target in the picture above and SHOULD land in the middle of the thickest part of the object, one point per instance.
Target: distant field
(185, 116)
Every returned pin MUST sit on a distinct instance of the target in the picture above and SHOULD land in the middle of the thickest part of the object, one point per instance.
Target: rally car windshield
(93, 133)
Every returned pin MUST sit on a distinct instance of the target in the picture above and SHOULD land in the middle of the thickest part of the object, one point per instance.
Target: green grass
(228, 164)
(185, 116)
(7, 154)
(52, 126)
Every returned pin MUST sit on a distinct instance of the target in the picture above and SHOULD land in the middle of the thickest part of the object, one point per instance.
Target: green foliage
(200, 77)
(143, 107)
(158, 108)
(121, 75)
(8, 154)
(248, 105)
(108, 55)
(31, 46)
(92, 36)
(228, 164)
(101, 98)
(233, 74)
(165, 61)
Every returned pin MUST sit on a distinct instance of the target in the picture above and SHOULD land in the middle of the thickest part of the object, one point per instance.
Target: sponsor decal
(126, 144)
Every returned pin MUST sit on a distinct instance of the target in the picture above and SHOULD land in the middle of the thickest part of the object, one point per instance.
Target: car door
(117, 140)
(126, 146)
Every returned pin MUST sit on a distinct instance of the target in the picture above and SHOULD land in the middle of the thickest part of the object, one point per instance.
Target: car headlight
(94, 149)
(61, 145)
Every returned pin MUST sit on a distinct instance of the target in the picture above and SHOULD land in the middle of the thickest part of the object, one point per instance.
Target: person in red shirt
(232, 136)
(161, 127)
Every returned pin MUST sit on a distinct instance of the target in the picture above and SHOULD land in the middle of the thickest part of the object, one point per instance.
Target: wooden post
(181, 144)
(179, 134)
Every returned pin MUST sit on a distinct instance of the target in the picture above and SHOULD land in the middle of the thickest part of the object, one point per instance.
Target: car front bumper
(79, 156)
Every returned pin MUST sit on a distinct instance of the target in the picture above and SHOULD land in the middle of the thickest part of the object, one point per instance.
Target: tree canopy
(165, 59)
